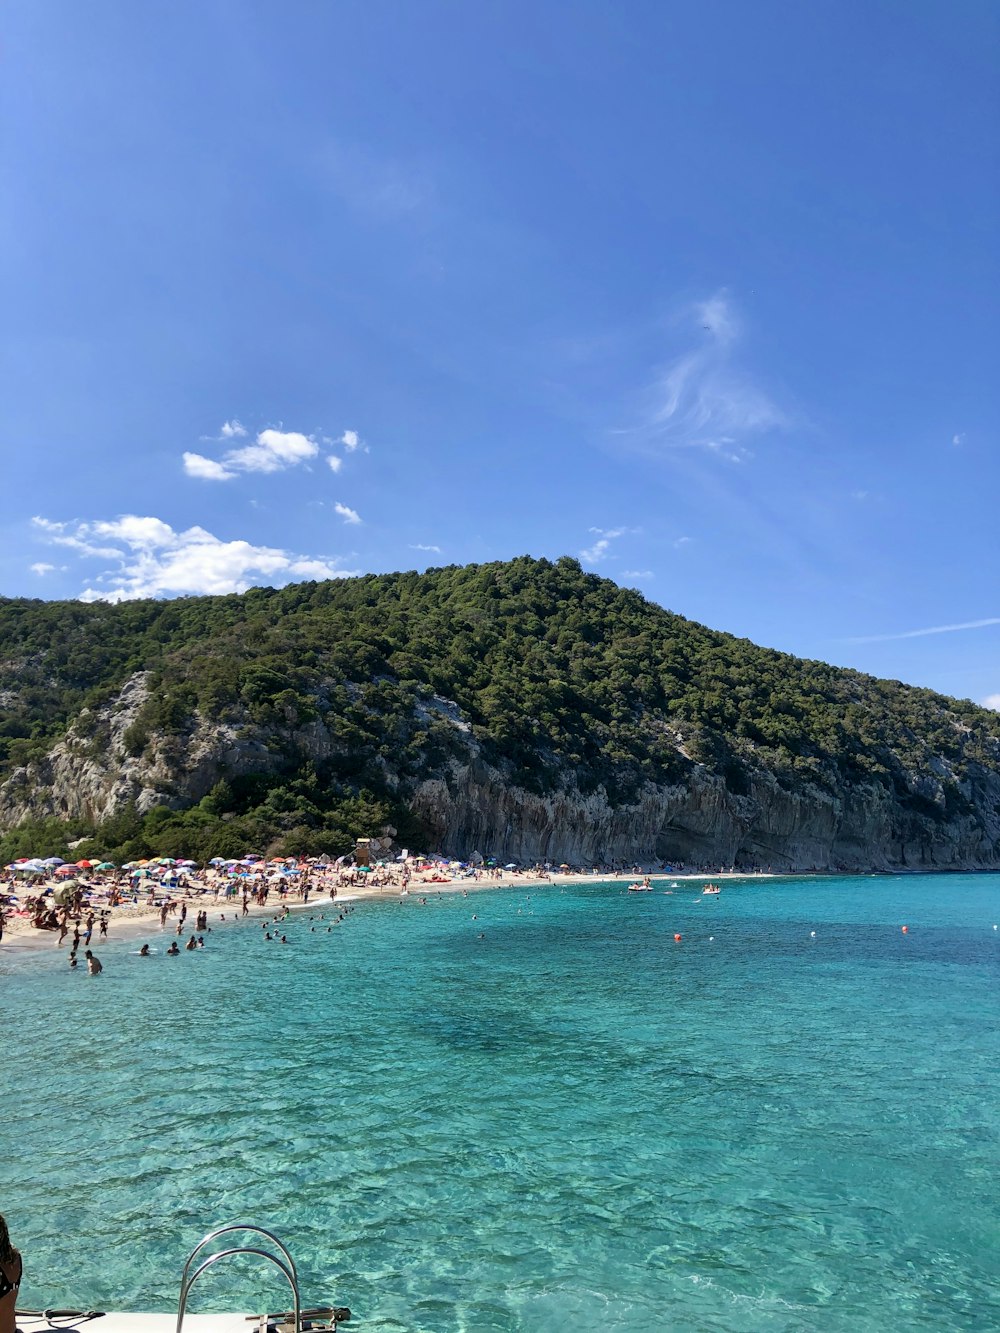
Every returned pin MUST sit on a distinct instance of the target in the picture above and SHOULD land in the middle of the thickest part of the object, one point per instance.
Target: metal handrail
(240, 1226)
(287, 1268)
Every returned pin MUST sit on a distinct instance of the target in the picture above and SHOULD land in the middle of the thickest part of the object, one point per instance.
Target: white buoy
(812, 934)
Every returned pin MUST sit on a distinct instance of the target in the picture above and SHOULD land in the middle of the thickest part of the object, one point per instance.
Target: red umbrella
(85, 865)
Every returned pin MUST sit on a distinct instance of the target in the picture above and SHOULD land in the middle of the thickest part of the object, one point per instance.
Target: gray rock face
(701, 822)
(473, 805)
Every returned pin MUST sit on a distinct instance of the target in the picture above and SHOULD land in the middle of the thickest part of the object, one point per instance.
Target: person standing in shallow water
(11, 1269)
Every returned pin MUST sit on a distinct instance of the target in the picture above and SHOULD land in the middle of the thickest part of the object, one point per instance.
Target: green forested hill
(563, 678)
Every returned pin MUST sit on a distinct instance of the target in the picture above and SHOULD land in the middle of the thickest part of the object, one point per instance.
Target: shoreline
(140, 921)
(134, 922)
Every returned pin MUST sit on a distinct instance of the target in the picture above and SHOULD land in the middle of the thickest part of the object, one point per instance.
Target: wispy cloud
(678, 542)
(703, 399)
(637, 573)
(151, 559)
(933, 629)
(272, 450)
(348, 515)
(598, 550)
(74, 537)
(992, 701)
(41, 568)
(958, 439)
(419, 546)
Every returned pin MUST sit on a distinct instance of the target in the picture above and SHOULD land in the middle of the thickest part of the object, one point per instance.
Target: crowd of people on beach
(74, 903)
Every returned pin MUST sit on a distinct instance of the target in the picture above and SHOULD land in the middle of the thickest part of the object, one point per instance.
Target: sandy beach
(140, 920)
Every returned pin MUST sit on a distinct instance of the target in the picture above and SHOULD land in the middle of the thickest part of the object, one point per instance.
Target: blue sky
(703, 293)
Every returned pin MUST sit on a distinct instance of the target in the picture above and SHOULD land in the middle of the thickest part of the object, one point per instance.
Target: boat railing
(285, 1264)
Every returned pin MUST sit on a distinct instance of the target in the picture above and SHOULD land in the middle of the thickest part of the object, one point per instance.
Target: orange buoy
(905, 929)
(677, 938)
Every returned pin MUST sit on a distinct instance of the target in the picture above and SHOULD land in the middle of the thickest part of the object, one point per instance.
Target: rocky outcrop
(91, 773)
(471, 804)
(700, 821)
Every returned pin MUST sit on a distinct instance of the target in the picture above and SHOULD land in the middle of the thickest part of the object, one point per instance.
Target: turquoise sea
(574, 1122)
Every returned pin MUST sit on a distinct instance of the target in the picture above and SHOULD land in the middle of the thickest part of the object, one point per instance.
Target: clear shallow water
(575, 1122)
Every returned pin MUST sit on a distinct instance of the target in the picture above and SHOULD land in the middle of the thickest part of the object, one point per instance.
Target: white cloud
(933, 629)
(637, 573)
(348, 515)
(141, 533)
(717, 317)
(271, 450)
(58, 534)
(958, 439)
(703, 399)
(207, 469)
(992, 701)
(860, 496)
(314, 569)
(681, 541)
(594, 554)
(41, 568)
(153, 560)
(419, 546)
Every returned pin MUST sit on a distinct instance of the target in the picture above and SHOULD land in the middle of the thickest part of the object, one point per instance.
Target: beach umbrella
(105, 865)
(512, 865)
(53, 861)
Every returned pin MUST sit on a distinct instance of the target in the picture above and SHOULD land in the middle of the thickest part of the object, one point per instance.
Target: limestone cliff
(467, 801)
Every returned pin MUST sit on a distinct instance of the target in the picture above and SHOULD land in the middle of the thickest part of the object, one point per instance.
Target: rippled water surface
(574, 1122)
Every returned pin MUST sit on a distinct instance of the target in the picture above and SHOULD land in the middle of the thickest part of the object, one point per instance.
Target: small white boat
(711, 888)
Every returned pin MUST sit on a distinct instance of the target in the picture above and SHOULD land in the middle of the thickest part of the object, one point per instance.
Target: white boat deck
(140, 1323)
